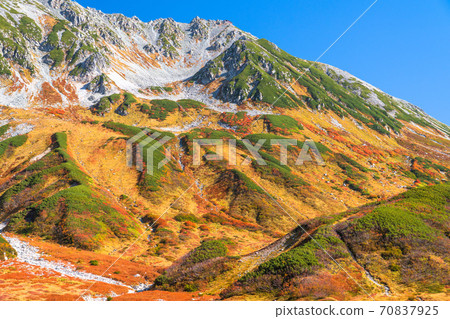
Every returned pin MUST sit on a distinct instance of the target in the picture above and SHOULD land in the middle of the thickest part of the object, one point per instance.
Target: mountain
(76, 84)
(57, 52)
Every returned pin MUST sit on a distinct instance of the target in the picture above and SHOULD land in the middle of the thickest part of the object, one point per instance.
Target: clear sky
(399, 46)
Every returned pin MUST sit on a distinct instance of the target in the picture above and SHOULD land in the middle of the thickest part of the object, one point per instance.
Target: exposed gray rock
(93, 66)
(100, 85)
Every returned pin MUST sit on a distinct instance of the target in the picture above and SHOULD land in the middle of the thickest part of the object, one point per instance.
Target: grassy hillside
(53, 198)
(403, 243)
(72, 186)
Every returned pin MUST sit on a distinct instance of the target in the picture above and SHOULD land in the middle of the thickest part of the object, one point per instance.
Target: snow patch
(20, 129)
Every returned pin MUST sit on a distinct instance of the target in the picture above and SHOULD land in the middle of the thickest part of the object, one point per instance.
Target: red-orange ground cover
(155, 295)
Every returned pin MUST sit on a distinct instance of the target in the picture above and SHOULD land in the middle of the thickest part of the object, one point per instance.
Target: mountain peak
(82, 44)
(197, 19)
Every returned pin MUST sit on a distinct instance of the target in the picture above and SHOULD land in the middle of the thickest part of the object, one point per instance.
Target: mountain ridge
(72, 94)
(138, 55)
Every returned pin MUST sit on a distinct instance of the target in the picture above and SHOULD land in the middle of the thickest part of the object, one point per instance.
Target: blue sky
(402, 47)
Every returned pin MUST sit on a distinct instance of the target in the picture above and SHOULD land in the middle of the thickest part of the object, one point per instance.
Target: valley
(80, 220)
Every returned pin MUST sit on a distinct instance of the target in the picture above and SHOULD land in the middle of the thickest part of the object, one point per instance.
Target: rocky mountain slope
(57, 52)
(76, 84)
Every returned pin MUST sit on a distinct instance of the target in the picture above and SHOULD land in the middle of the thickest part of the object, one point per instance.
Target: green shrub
(277, 173)
(145, 108)
(4, 67)
(93, 262)
(4, 129)
(77, 71)
(320, 85)
(161, 280)
(187, 138)
(57, 56)
(207, 250)
(393, 252)
(343, 159)
(303, 259)
(53, 38)
(16, 189)
(247, 181)
(6, 26)
(356, 187)
(13, 142)
(124, 197)
(30, 29)
(282, 124)
(128, 99)
(428, 203)
(122, 128)
(60, 139)
(254, 138)
(394, 267)
(190, 104)
(187, 217)
(161, 108)
(161, 89)
(393, 222)
(114, 98)
(297, 261)
(190, 287)
(68, 38)
(102, 106)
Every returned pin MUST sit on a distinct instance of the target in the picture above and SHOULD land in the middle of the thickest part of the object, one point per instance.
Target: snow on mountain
(58, 53)
(76, 45)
